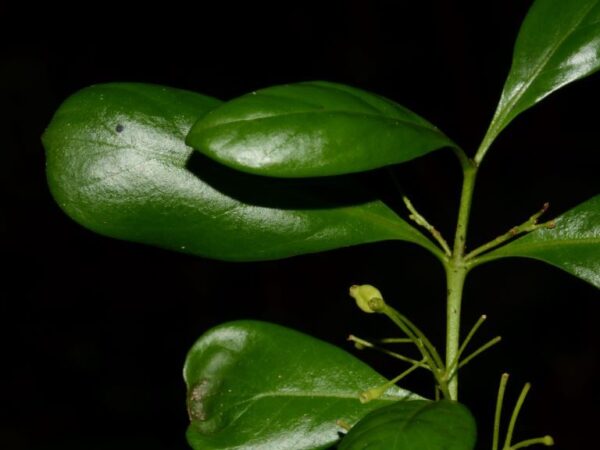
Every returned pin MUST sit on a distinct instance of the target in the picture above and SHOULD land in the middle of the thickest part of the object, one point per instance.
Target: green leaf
(117, 163)
(417, 425)
(573, 244)
(313, 129)
(257, 385)
(559, 43)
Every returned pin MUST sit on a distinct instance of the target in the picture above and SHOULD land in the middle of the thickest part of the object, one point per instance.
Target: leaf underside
(313, 129)
(258, 385)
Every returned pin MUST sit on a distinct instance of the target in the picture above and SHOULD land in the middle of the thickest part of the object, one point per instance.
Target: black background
(95, 331)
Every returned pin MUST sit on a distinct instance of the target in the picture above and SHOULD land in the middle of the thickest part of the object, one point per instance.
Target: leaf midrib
(316, 394)
(328, 111)
(400, 229)
(558, 243)
(411, 417)
(507, 252)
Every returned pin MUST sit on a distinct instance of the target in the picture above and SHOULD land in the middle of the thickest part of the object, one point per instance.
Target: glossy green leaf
(255, 385)
(313, 129)
(559, 42)
(573, 244)
(117, 163)
(417, 425)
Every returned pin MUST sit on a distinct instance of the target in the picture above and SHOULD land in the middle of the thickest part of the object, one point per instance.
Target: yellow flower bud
(368, 298)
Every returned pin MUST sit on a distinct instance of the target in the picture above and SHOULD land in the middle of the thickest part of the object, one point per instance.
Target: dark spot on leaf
(119, 128)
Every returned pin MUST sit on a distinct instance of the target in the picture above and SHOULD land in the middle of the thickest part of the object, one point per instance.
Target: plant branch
(420, 220)
(526, 227)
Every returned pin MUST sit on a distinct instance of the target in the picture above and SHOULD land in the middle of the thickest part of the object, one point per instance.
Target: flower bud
(368, 298)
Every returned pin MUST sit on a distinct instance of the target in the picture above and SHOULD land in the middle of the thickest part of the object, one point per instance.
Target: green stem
(498, 414)
(515, 416)
(544, 440)
(455, 280)
(456, 272)
(416, 335)
(480, 350)
(425, 352)
(428, 351)
(377, 392)
(361, 343)
(422, 221)
(395, 341)
(465, 343)
(442, 256)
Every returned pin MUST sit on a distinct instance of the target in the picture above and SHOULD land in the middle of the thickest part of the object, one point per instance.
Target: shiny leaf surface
(573, 244)
(255, 385)
(313, 129)
(559, 42)
(117, 163)
(416, 425)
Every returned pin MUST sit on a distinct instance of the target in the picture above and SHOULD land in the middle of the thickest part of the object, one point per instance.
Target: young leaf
(417, 425)
(559, 42)
(257, 385)
(313, 129)
(573, 244)
(117, 163)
